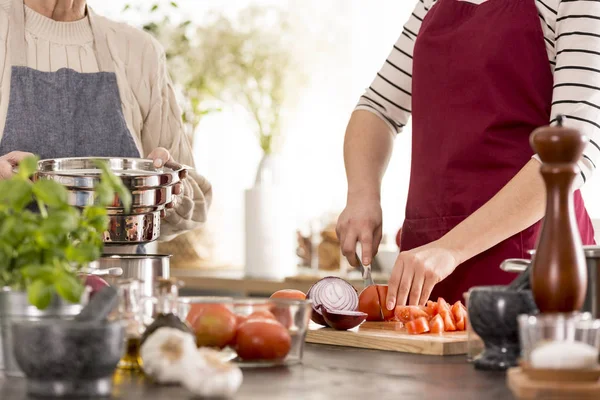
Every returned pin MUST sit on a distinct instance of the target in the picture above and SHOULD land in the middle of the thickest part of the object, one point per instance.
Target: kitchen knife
(364, 270)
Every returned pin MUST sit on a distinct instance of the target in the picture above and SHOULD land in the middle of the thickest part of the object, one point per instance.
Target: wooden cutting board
(390, 336)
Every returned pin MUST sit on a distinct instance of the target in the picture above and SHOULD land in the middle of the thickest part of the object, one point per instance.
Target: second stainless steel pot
(144, 267)
(592, 257)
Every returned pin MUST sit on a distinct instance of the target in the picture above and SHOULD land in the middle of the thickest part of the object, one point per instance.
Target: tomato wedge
(459, 313)
(431, 308)
(410, 313)
(436, 325)
(418, 326)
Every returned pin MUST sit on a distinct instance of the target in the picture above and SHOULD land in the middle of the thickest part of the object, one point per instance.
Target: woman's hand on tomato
(360, 222)
(417, 271)
(161, 157)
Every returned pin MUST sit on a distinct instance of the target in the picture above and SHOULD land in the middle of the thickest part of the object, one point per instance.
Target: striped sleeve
(389, 96)
(577, 75)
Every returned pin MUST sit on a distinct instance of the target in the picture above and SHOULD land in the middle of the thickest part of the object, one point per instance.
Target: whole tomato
(262, 339)
(372, 302)
(291, 294)
(214, 325)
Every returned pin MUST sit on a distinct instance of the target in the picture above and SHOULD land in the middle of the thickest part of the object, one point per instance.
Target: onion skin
(317, 317)
(350, 305)
(343, 320)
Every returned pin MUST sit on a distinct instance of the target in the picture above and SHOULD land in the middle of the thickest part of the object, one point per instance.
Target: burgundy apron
(481, 84)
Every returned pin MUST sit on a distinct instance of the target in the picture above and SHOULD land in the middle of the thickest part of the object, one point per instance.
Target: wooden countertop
(336, 373)
(235, 281)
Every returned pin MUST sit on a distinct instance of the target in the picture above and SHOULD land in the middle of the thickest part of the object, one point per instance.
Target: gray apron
(64, 113)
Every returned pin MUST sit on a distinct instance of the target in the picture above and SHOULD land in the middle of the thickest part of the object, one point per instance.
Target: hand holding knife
(364, 269)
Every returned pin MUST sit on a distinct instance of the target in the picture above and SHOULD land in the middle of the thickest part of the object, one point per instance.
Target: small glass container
(475, 345)
(571, 335)
(130, 310)
(294, 315)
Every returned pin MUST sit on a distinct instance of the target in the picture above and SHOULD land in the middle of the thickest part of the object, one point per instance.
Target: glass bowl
(574, 337)
(294, 315)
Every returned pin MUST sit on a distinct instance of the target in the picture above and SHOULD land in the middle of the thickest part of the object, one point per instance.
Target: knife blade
(366, 273)
(364, 270)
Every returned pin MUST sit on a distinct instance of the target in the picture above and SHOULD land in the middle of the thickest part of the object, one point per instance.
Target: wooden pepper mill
(559, 273)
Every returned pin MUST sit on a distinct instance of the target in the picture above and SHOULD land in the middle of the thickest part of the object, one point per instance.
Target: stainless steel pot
(151, 189)
(592, 257)
(146, 268)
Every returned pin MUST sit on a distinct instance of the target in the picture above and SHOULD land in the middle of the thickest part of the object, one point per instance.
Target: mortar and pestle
(72, 358)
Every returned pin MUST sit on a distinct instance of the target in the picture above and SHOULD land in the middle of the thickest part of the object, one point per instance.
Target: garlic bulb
(167, 354)
(212, 376)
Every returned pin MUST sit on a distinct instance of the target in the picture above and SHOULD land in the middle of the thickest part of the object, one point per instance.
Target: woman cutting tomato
(477, 77)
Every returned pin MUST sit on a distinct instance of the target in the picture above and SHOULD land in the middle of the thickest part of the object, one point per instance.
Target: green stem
(42, 207)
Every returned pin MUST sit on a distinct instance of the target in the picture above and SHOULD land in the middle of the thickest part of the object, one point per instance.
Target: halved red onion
(333, 293)
(343, 320)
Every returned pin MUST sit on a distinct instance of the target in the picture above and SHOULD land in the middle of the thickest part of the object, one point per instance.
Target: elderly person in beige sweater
(75, 84)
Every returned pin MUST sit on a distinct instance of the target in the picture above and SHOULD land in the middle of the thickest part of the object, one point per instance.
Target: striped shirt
(572, 36)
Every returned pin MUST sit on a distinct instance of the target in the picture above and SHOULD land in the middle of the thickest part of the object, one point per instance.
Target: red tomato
(436, 325)
(410, 313)
(214, 325)
(289, 294)
(442, 305)
(261, 314)
(449, 323)
(460, 316)
(382, 291)
(240, 319)
(418, 326)
(368, 302)
(262, 339)
(431, 308)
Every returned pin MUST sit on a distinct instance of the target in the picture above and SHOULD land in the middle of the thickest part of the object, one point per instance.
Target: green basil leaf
(38, 272)
(28, 166)
(104, 194)
(50, 192)
(18, 195)
(39, 293)
(61, 222)
(96, 217)
(69, 287)
(83, 253)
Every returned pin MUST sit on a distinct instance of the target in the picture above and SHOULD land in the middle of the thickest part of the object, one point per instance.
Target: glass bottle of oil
(166, 313)
(130, 311)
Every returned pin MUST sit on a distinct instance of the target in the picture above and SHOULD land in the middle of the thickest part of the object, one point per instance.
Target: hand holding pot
(162, 157)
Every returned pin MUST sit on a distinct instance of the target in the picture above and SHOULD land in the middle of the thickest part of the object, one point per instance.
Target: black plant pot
(493, 312)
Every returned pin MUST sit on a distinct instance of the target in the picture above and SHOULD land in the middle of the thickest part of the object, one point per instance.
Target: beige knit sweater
(151, 111)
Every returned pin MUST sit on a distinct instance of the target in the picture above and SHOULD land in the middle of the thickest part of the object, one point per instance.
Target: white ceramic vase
(269, 225)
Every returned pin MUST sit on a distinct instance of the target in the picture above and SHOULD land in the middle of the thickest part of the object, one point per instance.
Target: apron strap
(18, 45)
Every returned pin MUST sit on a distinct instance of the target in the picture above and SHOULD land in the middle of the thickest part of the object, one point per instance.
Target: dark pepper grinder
(559, 274)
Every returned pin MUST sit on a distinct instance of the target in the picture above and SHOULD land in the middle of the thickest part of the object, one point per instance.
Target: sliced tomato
(431, 308)
(409, 313)
(436, 325)
(442, 305)
(459, 313)
(418, 326)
